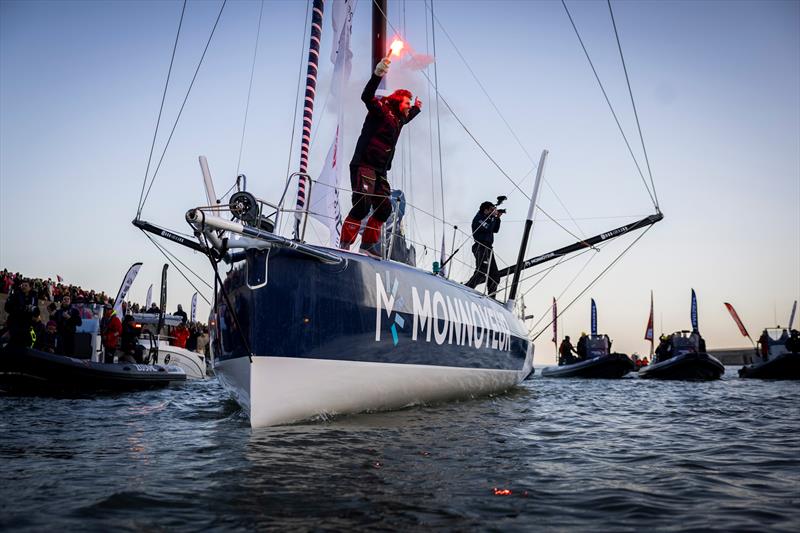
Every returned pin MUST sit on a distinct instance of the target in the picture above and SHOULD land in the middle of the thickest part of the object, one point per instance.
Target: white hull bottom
(281, 390)
(193, 363)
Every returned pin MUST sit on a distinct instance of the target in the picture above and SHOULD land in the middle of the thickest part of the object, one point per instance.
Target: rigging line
(430, 130)
(478, 144)
(503, 118)
(633, 104)
(185, 99)
(179, 270)
(438, 122)
(566, 288)
(563, 260)
(296, 102)
(218, 283)
(595, 280)
(613, 113)
(250, 89)
(195, 274)
(160, 111)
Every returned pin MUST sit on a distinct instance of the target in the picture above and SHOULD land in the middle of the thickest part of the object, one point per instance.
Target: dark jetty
(611, 366)
(31, 371)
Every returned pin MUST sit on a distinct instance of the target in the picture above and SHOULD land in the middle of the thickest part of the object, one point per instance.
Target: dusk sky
(716, 85)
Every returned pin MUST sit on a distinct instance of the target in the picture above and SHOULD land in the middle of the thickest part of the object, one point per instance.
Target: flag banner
(736, 319)
(694, 312)
(791, 316)
(194, 307)
(648, 333)
(555, 323)
(324, 196)
(149, 297)
(594, 318)
(163, 302)
(127, 281)
(324, 204)
(59, 278)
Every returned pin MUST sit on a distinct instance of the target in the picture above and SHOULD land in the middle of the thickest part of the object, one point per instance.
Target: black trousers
(370, 190)
(484, 263)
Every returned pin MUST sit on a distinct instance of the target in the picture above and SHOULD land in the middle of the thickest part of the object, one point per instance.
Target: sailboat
(304, 331)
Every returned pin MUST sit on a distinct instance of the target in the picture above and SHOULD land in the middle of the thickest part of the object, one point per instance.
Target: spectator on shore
(68, 319)
(154, 310)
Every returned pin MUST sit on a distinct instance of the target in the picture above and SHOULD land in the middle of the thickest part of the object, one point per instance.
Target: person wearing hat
(372, 160)
(110, 330)
(484, 225)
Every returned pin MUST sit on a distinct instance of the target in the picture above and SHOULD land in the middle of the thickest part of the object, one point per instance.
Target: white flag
(149, 297)
(126, 284)
(194, 307)
(324, 204)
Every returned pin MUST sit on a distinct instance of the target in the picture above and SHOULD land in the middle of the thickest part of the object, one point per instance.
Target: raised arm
(368, 95)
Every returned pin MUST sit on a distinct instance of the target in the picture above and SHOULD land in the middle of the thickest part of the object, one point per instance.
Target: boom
(586, 243)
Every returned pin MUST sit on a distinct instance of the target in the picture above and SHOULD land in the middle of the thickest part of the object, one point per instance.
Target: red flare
(396, 47)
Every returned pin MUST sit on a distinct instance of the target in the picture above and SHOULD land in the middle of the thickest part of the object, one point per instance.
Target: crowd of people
(67, 306)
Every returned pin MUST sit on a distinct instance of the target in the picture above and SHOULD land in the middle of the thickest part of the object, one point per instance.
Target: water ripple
(553, 454)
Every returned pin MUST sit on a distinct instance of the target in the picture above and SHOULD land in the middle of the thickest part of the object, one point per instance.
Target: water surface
(554, 454)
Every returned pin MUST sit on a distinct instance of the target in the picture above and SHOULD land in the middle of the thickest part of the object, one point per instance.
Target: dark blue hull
(783, 366)
(690, 366)
(291, 305)
(611, 366)
(31, 371)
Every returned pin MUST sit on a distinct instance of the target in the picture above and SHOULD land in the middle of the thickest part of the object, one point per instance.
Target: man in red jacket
(372, 159)
(181, 334)
(110, 330)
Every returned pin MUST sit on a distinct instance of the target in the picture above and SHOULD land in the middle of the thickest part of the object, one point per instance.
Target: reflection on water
(604, 455)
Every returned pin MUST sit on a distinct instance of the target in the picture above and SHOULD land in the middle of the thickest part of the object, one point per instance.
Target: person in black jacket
(68, 319)
(484, 225)
(372, 159)
(181, 313)
(19, 306)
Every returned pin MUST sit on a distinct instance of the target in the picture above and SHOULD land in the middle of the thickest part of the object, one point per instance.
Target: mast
(308, 114)
(378, 32)
(527, 231)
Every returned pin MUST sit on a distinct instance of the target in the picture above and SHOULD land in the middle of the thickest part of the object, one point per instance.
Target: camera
(501, 211)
